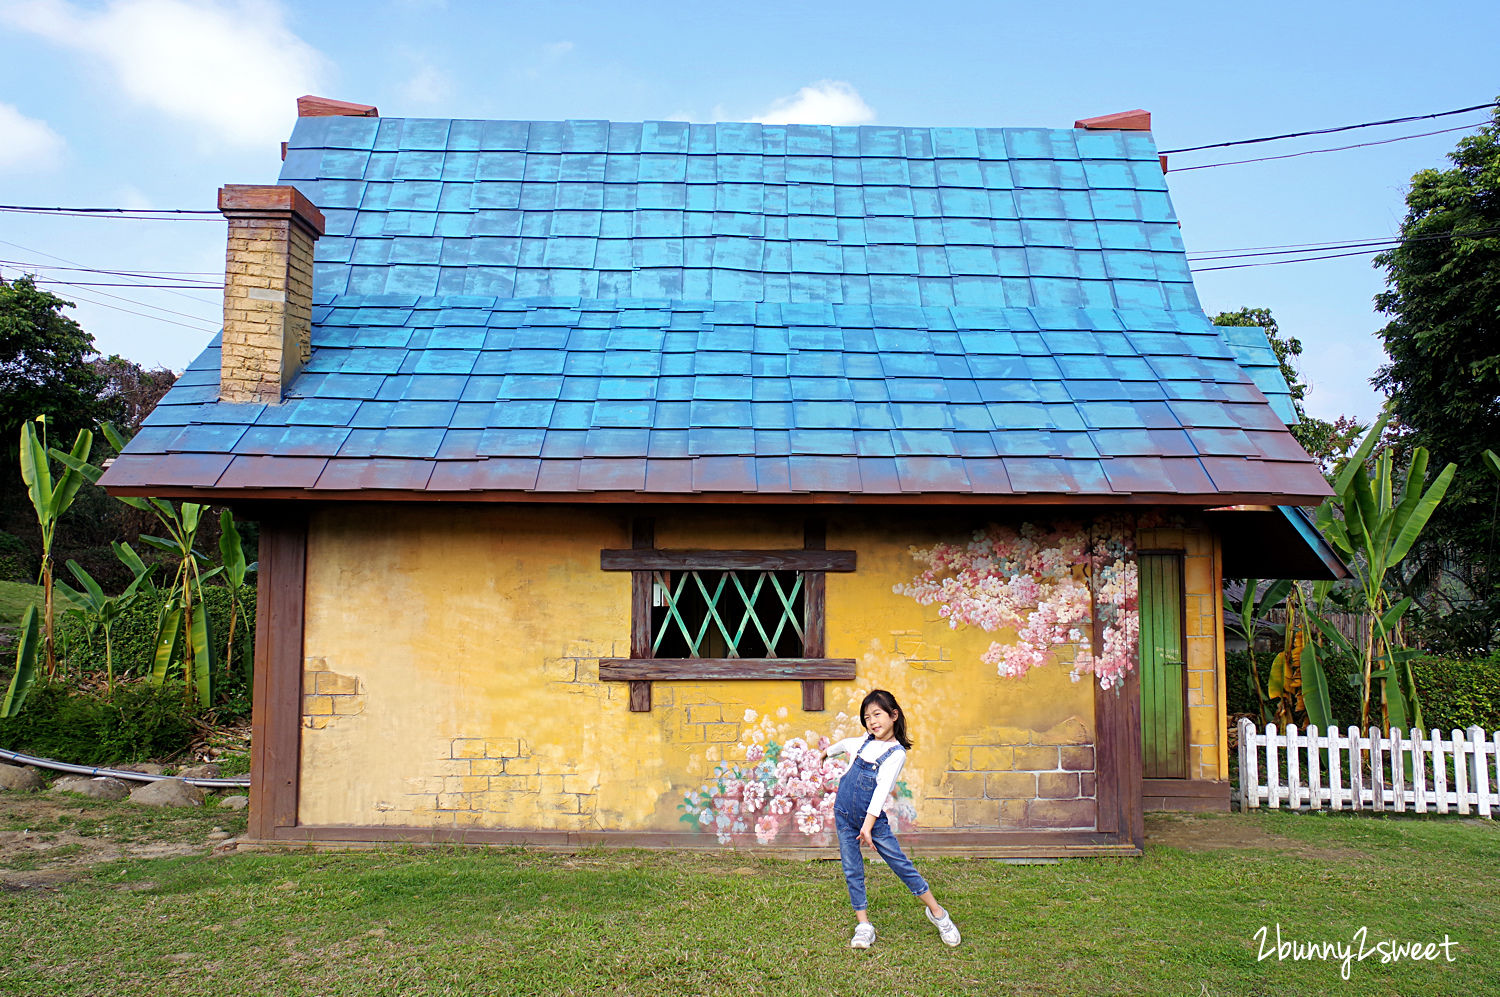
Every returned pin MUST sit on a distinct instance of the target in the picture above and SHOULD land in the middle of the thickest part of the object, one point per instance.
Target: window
(726, 614)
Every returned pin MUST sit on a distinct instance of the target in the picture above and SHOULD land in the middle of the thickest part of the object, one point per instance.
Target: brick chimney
(268, 275)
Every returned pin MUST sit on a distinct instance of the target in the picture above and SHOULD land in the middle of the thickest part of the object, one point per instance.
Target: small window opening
(727, 614)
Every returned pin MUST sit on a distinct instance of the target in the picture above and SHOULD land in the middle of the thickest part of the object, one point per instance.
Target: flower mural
(779, 788)
(1044, 583)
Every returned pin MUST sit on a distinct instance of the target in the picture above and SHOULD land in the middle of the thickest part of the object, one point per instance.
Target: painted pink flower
(766, 829)
(809, 821)
(752, 796)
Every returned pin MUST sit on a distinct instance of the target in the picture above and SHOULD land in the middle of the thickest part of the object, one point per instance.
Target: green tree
(45, 368)
(1443, 340)
(1327, 442)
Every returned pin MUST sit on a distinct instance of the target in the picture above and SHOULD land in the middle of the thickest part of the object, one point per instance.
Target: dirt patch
(41, 846)
(1216, 832)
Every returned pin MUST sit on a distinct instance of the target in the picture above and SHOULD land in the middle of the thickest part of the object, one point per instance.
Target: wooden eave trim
(221, 496)
(726, 560)
(721, 669)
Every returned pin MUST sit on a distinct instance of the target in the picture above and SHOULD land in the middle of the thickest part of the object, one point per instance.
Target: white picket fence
(1400, 771)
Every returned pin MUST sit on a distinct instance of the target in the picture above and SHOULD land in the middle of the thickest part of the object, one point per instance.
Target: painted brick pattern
(328, 695)
(1013, 778)
(490, 781)
(267, 338)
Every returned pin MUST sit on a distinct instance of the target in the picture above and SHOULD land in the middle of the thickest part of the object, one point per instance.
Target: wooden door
(1163, 675)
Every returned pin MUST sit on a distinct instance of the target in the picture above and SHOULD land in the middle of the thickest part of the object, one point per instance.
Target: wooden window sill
(706, 669)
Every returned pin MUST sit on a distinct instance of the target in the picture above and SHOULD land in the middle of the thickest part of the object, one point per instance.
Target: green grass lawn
(451, 921)
(14, 598)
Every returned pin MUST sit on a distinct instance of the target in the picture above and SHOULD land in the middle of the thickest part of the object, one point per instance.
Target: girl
(875, 764)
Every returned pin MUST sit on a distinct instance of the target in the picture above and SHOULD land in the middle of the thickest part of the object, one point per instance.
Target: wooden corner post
(276, 715)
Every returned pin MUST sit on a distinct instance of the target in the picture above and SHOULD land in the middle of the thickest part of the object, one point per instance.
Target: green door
(1163, 678)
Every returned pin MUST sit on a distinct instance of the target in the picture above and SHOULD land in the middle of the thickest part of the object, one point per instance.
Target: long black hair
(887, 702)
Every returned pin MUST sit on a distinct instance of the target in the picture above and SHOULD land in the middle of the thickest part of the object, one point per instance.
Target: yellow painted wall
(451, 678)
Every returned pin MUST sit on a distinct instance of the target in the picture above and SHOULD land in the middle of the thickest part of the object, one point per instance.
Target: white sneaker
(864, 935)
(946, 928)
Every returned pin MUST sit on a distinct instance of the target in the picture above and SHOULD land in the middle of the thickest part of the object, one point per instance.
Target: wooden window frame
(643, 558)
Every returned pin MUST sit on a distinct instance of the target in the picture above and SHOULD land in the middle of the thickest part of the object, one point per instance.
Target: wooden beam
(814, 591)
(276, 714)
(714, 669)
(726, 560)
(642, 538)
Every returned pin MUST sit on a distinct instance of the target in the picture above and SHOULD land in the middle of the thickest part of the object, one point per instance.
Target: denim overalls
(849, 810)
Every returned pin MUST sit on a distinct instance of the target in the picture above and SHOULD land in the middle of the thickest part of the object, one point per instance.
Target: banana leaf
(202, 654)
(1491, 461)
(1276, 684)
(168, 636)
(35, 471)
(1315, 698)
(1416, 518)
(25, 676)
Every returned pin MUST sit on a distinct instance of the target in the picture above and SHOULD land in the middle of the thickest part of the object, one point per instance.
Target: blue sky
(156, 103)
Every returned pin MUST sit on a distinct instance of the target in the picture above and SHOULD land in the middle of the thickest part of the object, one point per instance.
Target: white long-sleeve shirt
(885, 776)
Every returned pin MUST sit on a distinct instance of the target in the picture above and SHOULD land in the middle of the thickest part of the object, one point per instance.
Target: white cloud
(429, 85)
(26, 143)
(826, 102)
(556, 50)
(232, 66)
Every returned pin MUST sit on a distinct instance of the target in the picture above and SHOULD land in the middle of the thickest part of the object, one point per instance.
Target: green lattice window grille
(728, 614)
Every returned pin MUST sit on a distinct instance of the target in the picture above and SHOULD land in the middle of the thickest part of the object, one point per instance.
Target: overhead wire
(1329, 131)
(133, 301)
(1314, 152)
(75, 263)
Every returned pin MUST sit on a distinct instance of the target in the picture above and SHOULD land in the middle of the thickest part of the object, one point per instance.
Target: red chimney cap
(1123, 121)
(309, 106)
(272, 200)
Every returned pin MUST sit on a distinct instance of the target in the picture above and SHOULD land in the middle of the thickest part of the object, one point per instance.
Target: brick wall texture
(267, 307)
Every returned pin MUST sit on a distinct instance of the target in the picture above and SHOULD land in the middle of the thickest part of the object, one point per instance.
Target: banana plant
(25, 675)
(232, 555)
(184, 618)
(51, 498)
(186, 602)
(1317, 702)
(1375, 527)
(1244, 612)
(101, 609)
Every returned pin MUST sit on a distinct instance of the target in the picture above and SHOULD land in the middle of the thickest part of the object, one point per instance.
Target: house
(600, 466)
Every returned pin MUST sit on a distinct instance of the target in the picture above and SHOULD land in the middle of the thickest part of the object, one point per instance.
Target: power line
(60, 259)
(129, 311)
(143, 287)
(1329, 131)
(1379, 245)
(133, 301)
(134, 214)
(1314, 152)
(1275, 263)
(145, 274)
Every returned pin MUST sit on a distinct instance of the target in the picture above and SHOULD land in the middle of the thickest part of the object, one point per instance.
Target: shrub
(133, 723)
(134, 633)
(17, 563)
(134, 644)
(1458, 693)
(1342, 697)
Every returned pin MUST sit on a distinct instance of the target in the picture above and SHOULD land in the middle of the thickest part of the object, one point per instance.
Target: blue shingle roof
(664, 307)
